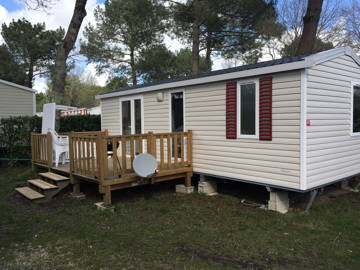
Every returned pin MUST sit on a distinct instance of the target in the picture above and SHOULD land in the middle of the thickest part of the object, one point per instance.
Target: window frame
(132, 111)
(238, 101)
(352, 133)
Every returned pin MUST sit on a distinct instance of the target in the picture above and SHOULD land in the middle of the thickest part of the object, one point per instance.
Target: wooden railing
(41, 149)
(99, 156)
(105, 157)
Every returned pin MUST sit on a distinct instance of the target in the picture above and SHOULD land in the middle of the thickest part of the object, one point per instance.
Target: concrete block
(103, 207)
(279, 201)
(79, 196)
(183, 189)
(208, 188)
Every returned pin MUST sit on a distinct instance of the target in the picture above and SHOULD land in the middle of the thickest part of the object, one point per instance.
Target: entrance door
(131, 116)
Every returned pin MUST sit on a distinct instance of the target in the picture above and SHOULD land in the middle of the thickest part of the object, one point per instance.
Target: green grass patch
(158, 229)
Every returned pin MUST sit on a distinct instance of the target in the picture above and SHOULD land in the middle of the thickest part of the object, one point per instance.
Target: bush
(15, 136)
(80, 123)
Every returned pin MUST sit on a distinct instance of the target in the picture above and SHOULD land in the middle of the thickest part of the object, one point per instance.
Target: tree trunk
(132, 65)
(66, 45)
(30, 76)
(208, 52)
(311, 21)
(195, 48)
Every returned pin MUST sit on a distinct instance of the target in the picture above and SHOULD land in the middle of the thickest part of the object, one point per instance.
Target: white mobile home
(291, 123)
(16, 100)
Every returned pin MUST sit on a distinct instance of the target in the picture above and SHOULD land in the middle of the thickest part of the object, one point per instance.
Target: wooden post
(188, 179)
(148, 142)
(49, 150)
(107, 195)
(32, 151)
(189, 148)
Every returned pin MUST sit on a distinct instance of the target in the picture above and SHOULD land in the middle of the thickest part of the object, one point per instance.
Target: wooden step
(30, 193)
(53, 176)
(42, 184)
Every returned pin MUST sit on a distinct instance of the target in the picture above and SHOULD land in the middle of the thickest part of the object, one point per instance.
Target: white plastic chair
(60, 147)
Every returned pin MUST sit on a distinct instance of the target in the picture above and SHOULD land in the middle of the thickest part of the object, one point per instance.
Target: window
(355, 121)
(177, 112)
(248, 109)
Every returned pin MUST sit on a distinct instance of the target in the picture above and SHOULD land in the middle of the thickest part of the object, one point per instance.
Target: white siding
(110, 115)
(332, 154)
(275, 162)
(15, 101)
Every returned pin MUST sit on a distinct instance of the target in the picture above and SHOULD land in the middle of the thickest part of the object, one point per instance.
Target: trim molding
(303, 135)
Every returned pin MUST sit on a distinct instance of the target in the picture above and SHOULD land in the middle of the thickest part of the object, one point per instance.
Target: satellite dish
(144, 165)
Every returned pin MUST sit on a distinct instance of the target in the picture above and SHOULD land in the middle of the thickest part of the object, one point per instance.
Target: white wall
(275, 162)
(332, 153)
(15, 101)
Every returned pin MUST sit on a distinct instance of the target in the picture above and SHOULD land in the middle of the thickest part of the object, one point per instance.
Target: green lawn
(154, 228)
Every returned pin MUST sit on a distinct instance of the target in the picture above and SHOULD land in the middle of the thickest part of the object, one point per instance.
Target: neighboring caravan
(291, 123)
(16, 100)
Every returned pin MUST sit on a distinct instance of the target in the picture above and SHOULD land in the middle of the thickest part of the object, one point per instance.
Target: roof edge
(18, 86)
(209, 79)
(324, 56)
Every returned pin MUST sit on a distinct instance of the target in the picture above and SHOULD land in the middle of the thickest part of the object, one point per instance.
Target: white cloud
(40, 85)
(90, 70)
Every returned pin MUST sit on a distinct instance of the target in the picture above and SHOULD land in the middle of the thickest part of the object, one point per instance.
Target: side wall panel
(332, 153)
(15, 101)
(110, 115)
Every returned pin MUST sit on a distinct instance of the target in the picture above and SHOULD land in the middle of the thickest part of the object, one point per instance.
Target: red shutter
(231, 110)
(265, 113)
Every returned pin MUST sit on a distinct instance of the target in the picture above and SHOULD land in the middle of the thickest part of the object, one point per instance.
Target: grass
(154, 228)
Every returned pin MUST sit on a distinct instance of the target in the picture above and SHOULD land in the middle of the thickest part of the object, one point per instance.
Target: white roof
(18, 86)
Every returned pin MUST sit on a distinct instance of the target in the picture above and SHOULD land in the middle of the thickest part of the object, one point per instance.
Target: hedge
(15, 136)
(15, 139)
(80, 123)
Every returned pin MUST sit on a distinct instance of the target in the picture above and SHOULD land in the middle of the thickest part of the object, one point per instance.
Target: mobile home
(291, 123)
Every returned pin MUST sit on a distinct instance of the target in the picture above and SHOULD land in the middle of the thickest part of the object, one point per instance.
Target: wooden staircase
(45, 188)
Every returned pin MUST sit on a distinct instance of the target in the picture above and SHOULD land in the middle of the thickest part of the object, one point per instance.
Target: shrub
(15, 135)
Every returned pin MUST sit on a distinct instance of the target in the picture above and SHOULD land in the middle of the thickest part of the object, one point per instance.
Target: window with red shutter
(249, 109)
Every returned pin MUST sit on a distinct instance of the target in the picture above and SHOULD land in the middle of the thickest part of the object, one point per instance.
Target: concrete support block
(207, 187)
(279, 201)
(103, 207)
(183, 189)
(79, 196)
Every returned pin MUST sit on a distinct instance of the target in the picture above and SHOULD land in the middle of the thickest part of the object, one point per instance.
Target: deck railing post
(49, 149)
(32, 150)
(71, 157)
(149, 141)
(189, 148)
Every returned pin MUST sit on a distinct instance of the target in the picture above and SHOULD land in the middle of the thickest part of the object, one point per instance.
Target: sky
(60, 15)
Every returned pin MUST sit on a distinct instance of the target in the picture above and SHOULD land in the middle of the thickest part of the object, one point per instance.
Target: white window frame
(353, 84)
(170, 115)
(238, 121)
(132, 110)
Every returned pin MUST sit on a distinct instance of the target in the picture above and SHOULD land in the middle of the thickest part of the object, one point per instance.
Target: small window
(356, 109)
(247, 110)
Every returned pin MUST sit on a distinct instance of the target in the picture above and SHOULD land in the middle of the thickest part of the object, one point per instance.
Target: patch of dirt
(228, 261)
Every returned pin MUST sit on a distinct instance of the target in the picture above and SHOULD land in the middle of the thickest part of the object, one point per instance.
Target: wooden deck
(107, 160)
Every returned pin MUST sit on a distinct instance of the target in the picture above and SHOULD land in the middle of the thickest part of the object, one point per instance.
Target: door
(131, 120)
(131, 116)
